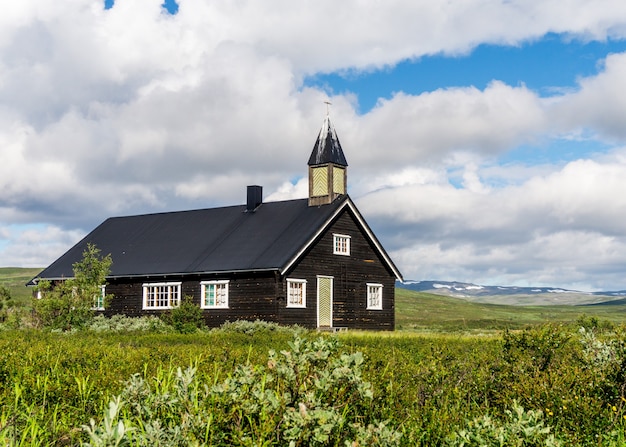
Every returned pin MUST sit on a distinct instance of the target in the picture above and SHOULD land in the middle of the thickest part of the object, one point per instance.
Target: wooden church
(313, 262)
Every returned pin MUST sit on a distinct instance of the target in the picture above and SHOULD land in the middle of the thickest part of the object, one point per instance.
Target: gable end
(349, 206)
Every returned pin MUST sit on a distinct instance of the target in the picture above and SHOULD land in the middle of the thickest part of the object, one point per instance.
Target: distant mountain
(520, 296)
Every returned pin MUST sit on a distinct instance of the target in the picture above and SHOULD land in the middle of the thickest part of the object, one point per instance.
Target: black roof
(327, 148)
(223, 239)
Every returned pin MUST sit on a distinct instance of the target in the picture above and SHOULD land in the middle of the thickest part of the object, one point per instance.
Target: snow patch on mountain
(513, 295)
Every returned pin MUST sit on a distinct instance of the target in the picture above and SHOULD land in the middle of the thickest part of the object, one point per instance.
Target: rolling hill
(514, 296)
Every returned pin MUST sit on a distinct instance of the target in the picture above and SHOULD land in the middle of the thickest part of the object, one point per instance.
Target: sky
(486, 140)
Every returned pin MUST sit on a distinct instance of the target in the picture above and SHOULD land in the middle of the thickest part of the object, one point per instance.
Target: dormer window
(341, 244)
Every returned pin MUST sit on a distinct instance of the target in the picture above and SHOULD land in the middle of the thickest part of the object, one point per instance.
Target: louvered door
(325, 301)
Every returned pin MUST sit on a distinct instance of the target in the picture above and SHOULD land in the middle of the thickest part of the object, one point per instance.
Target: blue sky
(486, 139)
(544, 65)
(547, 65)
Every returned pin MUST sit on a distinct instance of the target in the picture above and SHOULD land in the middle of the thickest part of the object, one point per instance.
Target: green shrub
(602, 355)
(247, 389)
(593, 323)
(186, 318)
(6, 301)
(68, 304)
(520, 428)
(122, 323)
(540, 346)
(258, 327)
(310, 395)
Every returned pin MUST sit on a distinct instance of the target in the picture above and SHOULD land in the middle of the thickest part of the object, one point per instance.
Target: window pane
(341, 244)
(295, 293)
(98, 300)
(221, 295)
(215, 294)
(210, 294)
(162, 295)
(174, 296)
(374, 296)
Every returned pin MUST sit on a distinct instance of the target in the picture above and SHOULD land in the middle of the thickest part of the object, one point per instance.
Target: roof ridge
(331, 209)
(195, 210)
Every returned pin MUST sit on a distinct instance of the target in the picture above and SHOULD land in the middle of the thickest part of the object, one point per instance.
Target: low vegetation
(455, 374)
(262, 384)
(14, 280)
(69, 304)
(426, 312)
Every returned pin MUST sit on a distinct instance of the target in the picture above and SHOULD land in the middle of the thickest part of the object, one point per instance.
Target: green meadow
(430, 312)
(15, 280)
(454, 373)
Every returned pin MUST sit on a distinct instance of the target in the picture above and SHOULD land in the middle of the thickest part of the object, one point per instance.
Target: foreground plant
(309, 395)
(520, 427)
(69, 304)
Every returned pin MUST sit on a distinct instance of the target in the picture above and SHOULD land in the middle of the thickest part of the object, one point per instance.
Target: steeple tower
(327, 167)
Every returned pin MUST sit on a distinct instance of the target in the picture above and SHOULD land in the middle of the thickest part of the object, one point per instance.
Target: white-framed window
(98, 300)
(214, 294)
(163, 295)
(374, 296)
(296, 292)
(341, 244)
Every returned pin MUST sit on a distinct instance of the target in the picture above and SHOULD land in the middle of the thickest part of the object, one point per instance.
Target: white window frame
(98, 300)
(374, 296)
(341, 244)
(296, 285)
(217, 285)
(172, 299)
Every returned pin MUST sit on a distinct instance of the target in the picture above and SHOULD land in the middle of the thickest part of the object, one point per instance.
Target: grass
(449, 363)
(15, 278)
(427, 386)
(426, 311)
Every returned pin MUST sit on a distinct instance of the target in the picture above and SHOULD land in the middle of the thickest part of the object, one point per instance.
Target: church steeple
(327, 167)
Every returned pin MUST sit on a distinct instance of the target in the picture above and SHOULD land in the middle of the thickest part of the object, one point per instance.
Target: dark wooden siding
(351, 274)
(250, 297)
(262, 295)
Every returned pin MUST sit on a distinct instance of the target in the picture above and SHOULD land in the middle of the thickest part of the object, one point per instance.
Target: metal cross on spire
(328, 104)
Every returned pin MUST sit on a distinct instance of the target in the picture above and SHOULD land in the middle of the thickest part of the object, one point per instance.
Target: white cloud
(130, 110)
(556, 229)
(35, 245)
(600, 105)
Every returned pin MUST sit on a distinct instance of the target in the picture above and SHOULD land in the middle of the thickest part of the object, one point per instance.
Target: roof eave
(198, 273)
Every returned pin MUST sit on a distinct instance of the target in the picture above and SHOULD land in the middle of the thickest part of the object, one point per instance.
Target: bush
(6, 300)
(122, 323)
(9, 315)
(69, 304)
(258, 327)
(311, 395)
(520, 428)
(539, 346)
(186, 318)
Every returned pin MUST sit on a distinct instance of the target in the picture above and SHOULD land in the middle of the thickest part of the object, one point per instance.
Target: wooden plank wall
(263, 295)
(249, 298)
(351, 274)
